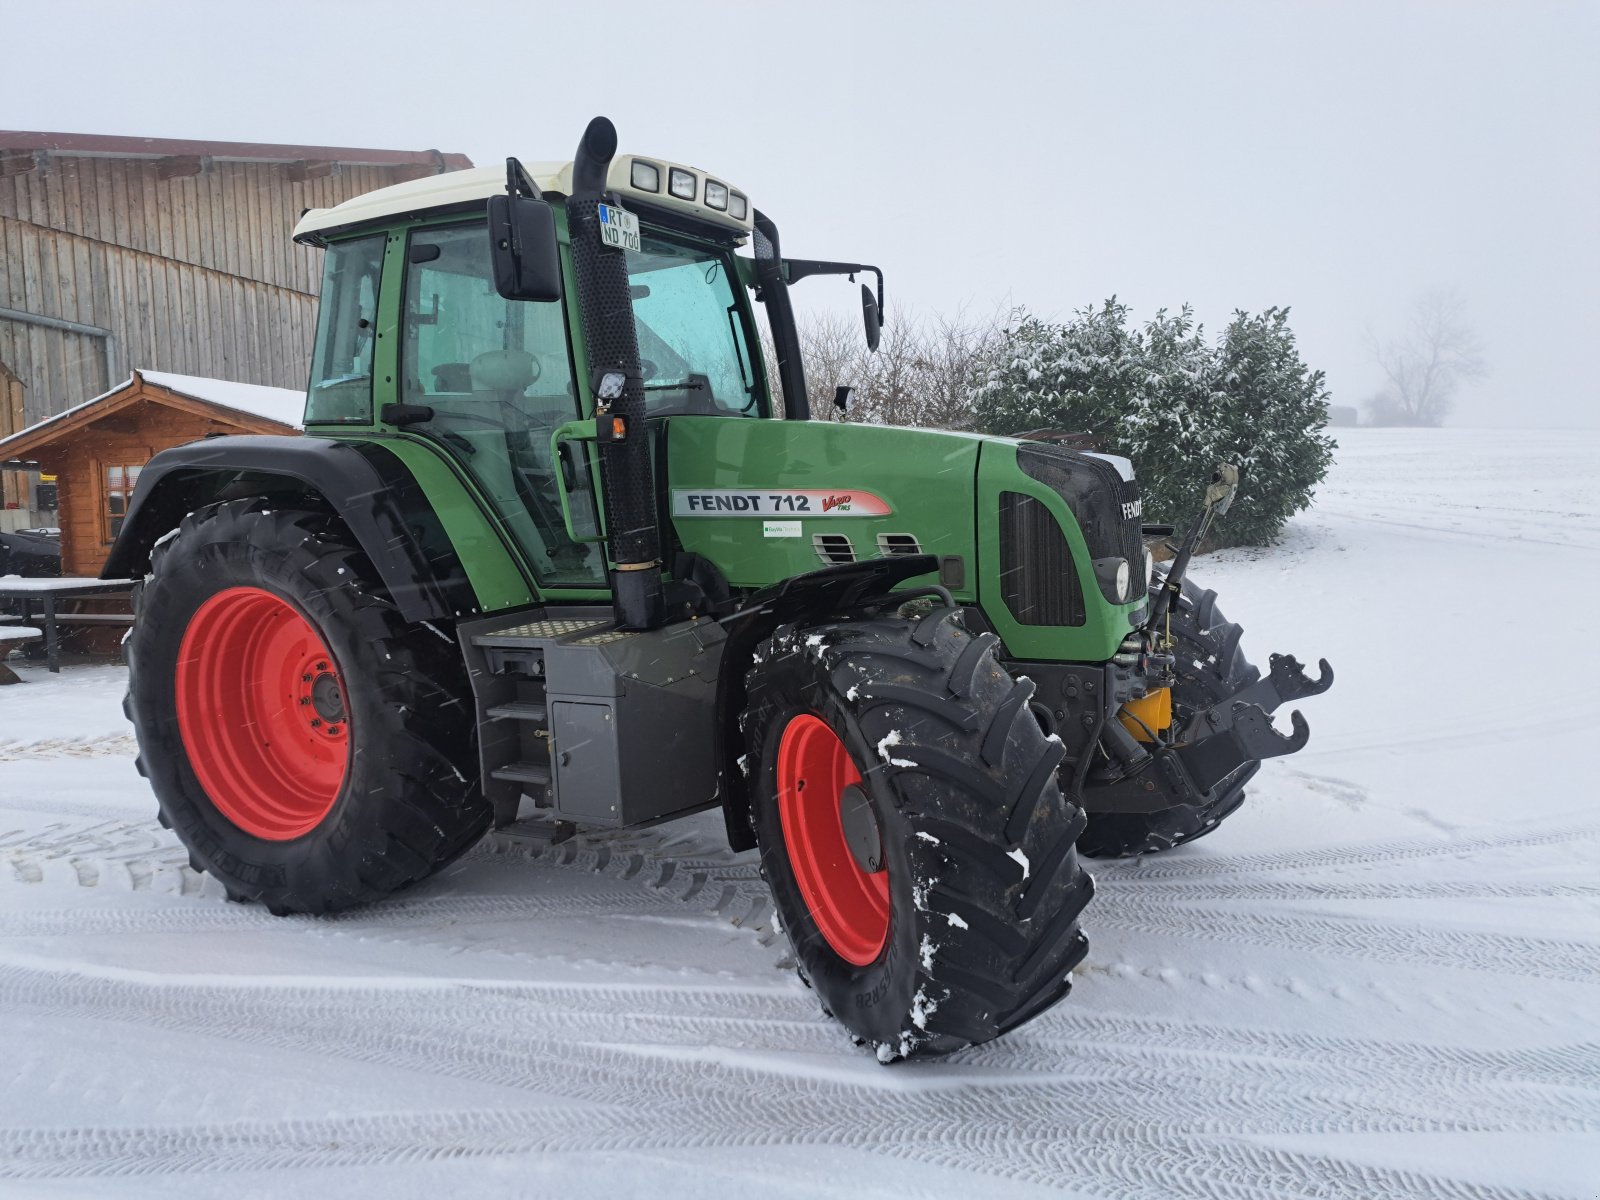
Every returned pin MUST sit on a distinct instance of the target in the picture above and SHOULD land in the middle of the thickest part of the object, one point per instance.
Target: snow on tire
(920, 853)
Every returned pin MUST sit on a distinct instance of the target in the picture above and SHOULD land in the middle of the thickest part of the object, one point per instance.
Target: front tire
(311, 749)
(920, 853)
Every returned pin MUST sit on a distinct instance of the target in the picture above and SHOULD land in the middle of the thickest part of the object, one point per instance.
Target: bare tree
(833, 351)
(923, 373)
(1427, 364)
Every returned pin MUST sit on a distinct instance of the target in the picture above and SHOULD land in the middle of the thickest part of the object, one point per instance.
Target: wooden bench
(12, 636)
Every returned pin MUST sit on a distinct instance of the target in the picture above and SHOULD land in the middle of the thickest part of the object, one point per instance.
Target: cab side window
(341, 362)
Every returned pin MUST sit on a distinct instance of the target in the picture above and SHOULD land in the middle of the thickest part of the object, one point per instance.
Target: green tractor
(555, 551)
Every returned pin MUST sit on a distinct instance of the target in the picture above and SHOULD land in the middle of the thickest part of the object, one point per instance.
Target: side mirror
(871, 318)
(841, 397)
(523, 247)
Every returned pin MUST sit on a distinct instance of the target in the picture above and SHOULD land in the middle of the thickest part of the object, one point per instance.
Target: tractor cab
(415, 336)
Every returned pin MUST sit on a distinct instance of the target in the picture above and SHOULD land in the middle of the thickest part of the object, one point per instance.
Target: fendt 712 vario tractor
(551, 551)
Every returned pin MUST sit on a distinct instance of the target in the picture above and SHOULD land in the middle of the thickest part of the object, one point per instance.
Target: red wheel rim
(262, 713)
(849, 905)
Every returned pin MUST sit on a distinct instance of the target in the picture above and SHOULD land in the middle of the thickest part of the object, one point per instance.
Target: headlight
(738, 206)
(1149, 567)
(681, 183)
(716, 194)
(1116, 579)
(646, 176)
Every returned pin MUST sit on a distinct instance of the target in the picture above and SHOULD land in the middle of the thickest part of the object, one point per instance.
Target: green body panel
(1105, 624)
(926, 478)
(496, 577)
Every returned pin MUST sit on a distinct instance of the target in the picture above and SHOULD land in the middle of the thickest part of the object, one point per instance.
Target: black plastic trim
(367, 487)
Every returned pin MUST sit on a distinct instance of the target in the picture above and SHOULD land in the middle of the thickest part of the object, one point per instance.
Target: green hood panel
(751, 496)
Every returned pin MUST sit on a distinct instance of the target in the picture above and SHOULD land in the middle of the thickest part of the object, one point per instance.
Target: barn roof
(13, 141)
(281, 406)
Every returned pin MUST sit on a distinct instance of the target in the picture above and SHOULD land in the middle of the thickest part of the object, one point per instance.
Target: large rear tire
(312, 750)
(1210, 667)
(920, 853)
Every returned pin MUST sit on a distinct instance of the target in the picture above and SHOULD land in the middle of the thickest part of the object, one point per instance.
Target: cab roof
(463, 189)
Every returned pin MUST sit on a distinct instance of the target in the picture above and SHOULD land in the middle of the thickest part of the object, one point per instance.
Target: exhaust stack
(606, 309)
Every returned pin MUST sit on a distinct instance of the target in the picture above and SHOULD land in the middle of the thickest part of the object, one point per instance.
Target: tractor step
(523, 772)
(518, 712)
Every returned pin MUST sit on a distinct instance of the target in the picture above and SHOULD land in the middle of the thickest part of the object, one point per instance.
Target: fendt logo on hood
(753, 502)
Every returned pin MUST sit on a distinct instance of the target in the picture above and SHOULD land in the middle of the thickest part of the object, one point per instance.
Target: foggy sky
(1337, 158)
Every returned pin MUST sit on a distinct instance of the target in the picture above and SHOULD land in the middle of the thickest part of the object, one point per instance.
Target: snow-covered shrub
(1173, 403)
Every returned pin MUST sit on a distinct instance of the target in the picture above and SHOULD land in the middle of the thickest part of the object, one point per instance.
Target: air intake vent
(1038, 581)
(833, 548)
(891, 544)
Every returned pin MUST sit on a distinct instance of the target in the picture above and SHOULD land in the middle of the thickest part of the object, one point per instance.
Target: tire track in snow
(103, 746)
(1443, 889)
(1364, 854)
(1359, 937)
(513, 1036)
(1573, 1064)
(1133, 1158)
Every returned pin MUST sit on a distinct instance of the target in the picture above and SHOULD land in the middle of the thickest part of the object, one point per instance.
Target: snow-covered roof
(284, 405)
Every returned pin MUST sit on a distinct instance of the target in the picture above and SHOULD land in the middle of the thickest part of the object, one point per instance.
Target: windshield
(693, 342)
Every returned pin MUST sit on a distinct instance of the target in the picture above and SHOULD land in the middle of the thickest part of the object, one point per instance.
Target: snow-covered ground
(1379, 979)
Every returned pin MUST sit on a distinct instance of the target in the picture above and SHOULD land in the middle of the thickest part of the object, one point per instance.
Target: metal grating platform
(604, 639)
(550, 628)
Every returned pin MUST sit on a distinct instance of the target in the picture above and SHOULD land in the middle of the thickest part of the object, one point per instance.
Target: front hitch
(1285, 680)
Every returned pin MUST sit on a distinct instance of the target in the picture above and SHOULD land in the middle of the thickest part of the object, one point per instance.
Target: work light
(716, 194)
(681, 184)
(646, 176)
(738, 206)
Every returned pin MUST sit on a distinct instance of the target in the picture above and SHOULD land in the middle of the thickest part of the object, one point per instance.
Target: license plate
(619, 228)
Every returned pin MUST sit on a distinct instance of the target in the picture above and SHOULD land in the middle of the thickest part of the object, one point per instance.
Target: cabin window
(347, 317)
(120, 480)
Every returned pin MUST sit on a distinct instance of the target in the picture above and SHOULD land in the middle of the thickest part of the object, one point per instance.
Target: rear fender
(369, 489)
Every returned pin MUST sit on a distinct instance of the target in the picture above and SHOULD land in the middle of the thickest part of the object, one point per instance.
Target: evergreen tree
(1174, 404)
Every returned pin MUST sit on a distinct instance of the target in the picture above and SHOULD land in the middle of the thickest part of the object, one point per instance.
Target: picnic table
(39, 599)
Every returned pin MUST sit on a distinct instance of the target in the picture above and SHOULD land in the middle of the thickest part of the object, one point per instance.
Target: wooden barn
(97, 449)
(173, 254)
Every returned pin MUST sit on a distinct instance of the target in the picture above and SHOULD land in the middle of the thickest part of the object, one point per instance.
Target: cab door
(497, 376)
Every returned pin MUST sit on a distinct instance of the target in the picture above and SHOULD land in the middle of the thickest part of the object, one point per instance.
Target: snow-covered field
(1379, 979)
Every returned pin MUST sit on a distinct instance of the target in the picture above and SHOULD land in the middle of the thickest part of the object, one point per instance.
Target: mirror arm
(797, 269)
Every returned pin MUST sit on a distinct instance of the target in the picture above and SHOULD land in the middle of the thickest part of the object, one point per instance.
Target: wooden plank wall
(13, 485)
(195, 274)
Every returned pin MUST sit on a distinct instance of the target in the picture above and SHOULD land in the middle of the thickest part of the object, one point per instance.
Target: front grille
(1106, 506)
(1038, 581)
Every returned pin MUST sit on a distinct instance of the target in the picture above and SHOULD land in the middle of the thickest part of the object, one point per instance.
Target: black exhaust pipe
(606, 309)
